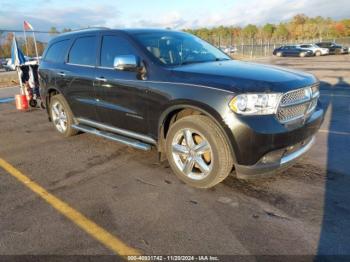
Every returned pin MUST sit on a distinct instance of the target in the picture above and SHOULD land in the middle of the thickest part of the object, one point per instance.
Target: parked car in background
(230, 49)
(292, 50)
(334, 48)
(206, 113)
(2, 62)
(9, 66)
(317, 51)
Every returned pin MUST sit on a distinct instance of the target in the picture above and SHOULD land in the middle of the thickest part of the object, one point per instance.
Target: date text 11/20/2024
(173, 258)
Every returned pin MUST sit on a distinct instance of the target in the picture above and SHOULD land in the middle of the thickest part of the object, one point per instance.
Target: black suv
(207, 114)
(333, 48)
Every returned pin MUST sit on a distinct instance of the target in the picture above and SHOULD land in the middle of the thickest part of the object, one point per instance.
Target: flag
(27, 26)
(17, 57)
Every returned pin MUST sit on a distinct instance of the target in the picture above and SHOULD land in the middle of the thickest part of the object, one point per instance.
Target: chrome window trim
(81, 65)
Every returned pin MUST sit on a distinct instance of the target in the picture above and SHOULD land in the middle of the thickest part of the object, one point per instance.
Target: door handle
(61, 74)
(101, 79)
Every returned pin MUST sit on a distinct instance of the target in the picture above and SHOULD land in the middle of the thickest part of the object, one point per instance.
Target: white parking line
(334, 132)
(322, 94)
(6, 100)
(9, 87)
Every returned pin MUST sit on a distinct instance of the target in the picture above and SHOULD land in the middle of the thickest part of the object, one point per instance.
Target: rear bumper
(275, 161)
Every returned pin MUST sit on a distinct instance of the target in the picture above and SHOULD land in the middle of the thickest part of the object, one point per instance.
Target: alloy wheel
(192, 154)
(59, 117)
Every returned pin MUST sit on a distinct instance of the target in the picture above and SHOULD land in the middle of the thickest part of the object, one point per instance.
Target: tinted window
(57, 51)
(178, 48)
(305, 46)
(324, 44)
(113, 46)
(83, 51)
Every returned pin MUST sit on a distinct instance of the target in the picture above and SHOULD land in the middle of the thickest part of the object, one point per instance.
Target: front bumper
(261, 144)
(275, 160)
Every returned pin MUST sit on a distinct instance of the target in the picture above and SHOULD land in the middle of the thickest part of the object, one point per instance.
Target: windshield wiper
(204, 61)
(194, 62)
(222, 59)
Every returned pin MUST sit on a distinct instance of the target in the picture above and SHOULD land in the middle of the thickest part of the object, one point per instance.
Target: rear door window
(113, 46)
(57, 52)
(83, 51)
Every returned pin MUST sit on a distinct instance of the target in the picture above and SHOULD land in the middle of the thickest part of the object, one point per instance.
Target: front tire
(198, 151)
(62, 116)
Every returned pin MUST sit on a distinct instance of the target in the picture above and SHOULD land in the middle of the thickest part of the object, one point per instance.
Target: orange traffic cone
(21, 102)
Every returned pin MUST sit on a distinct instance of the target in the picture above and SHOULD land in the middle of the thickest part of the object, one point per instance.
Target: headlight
(255, 104)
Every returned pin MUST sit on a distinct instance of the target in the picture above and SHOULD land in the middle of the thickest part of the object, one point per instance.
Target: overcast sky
(178, 14)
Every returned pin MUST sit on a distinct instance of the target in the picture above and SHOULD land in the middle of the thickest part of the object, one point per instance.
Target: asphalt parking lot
(130, 196)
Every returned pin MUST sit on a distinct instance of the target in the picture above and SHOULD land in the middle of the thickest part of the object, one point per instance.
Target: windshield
(177, 48)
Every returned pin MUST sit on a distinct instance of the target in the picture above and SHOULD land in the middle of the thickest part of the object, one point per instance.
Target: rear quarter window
(57, 51)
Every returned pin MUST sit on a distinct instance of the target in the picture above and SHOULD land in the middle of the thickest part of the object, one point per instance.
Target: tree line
(300, 27)
(27, 48)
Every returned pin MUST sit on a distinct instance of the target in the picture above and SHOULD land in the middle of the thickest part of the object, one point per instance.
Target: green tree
(31, 47)
(268, 30)
(298, 23)
(6, 47)
(66, 30)
(250, 31)
(281, 32)
(346, 23)
(53, 31)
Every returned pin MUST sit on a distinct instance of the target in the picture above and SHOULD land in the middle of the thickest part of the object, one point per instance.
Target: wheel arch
(50, 92)
(170, 114)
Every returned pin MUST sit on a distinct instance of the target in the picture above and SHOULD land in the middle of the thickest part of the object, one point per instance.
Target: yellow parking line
(76, 217)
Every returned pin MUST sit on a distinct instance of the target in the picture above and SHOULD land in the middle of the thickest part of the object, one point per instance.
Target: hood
(238, 76)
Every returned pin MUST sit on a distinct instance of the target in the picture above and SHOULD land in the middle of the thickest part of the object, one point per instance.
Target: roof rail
(90, 28)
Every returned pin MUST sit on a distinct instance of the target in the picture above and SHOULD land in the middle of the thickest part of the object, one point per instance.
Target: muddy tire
(198, 151)
(62, 116)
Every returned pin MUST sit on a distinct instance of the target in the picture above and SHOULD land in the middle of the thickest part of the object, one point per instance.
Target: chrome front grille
(298, 104)
(291, 97)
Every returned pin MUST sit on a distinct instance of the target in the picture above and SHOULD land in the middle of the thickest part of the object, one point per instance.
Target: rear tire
(62, 116)
(198, 151)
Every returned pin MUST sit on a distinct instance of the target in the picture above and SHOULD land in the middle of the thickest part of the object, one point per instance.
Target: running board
(121, 139)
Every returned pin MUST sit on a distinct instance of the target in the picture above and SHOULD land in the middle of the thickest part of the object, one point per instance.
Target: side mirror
(126, 63)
